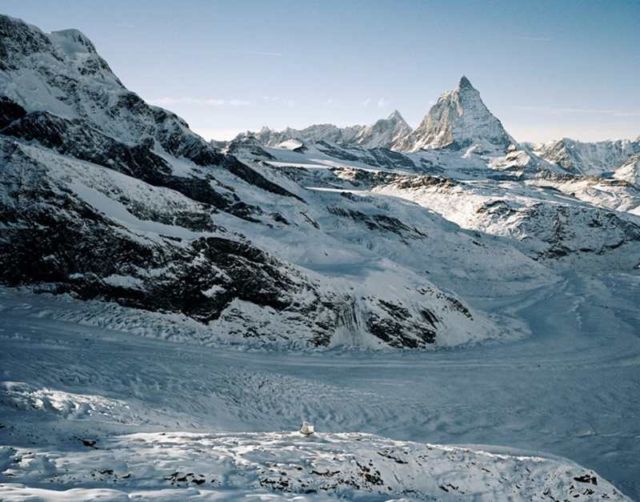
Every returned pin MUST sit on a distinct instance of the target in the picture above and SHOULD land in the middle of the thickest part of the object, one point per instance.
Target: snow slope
(384, 133)
(545, 223)
(629, 171)
(348, 465)
(157, 410)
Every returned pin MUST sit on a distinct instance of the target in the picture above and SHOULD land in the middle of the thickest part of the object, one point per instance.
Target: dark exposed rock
(177, 478)
(399, 331)
(248, 145)
(9, 111)
(240, 270)
(587, 478)
(334, 151)
(252, 177)
(18, 38)
(384, 157)
(498, 208)
(426, 182)
(380, 222)
(89, 443)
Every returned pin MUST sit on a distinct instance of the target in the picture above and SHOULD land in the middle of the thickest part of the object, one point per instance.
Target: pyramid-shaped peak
(465, 83)
(395, 116)
(459, 120)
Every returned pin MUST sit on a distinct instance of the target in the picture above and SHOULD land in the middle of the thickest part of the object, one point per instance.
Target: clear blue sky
(546, 68)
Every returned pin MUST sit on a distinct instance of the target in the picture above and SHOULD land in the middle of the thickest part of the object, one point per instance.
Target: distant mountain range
(459, 121)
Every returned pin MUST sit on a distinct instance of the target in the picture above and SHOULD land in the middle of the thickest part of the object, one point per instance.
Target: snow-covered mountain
(589, 159)
(458, 120)
(106, 196)
(125, 203)
(312, 134)
(629, 171)
(382, 134)
(462, 128)
(136, 258)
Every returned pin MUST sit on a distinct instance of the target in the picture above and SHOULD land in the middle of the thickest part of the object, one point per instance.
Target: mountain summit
(459, 119)
(384, 132)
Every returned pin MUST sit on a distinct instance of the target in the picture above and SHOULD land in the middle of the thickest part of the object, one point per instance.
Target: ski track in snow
(570, 389)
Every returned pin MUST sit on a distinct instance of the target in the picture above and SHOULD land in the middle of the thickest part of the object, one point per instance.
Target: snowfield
(165, 415)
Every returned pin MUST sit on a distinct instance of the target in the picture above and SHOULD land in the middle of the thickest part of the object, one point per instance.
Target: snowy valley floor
(159, 409)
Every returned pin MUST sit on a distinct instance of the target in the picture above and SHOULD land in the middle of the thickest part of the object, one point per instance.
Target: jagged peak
(396, 116)
(459, 119)
(465, 83)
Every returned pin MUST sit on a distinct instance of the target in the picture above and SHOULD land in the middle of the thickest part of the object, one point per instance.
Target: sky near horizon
(547, 69)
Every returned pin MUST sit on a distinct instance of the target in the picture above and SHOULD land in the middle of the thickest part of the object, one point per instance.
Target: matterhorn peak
(459, 119)
(465, 83)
